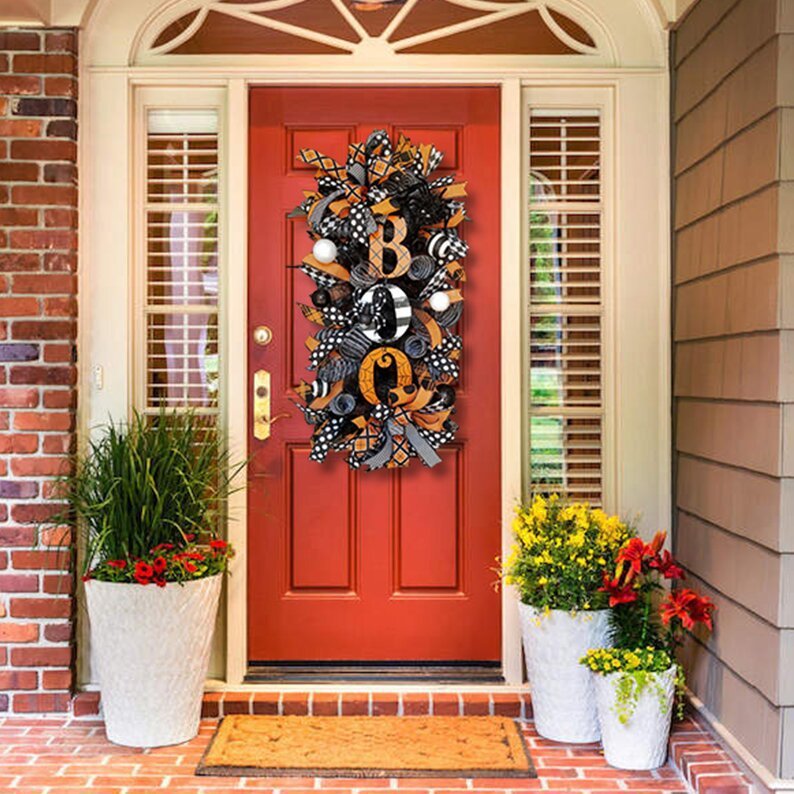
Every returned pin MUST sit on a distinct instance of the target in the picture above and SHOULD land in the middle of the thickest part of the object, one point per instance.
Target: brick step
(333, 704)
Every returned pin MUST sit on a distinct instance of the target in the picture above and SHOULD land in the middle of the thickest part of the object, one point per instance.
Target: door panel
(391, 565)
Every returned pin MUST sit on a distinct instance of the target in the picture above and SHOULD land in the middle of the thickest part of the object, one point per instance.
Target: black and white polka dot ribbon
(438, 358)
(323, 441)
(328, 339)
(362, 223)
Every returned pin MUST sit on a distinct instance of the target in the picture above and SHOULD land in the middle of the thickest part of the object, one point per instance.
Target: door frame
(511, 353)
(638, 473)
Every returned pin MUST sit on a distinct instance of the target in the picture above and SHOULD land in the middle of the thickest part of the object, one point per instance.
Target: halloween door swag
(387, 274)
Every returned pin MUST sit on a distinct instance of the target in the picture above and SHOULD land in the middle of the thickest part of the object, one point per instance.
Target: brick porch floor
(67, 756)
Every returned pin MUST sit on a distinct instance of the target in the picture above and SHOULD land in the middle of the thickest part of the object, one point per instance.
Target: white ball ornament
(324, 251)
(439, 301)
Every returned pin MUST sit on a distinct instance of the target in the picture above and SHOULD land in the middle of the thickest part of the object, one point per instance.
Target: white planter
(150, 648)
(563, 700)
(640, 743)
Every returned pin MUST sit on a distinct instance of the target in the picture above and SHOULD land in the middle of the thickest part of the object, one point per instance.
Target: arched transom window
(368, 28)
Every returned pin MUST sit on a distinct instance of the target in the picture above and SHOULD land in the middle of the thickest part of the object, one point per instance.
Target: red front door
(387, 565)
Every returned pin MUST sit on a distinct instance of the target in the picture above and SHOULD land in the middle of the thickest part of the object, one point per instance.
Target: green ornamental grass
(155, 483)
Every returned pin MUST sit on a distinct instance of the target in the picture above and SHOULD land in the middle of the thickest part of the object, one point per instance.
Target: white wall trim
(512, 357)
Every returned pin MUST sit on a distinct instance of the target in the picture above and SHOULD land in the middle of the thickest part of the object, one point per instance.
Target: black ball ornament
(321, 298)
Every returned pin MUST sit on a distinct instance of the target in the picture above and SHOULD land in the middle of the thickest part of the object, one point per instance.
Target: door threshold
(375, 673)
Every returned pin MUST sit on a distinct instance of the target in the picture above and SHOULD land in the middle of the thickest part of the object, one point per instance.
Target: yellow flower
(577, 540)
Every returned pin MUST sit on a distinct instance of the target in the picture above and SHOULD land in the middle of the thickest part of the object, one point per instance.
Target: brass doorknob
(263, 335)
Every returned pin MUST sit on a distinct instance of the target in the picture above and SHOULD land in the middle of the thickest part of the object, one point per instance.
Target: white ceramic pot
(150, 648)
(640, 743)
(563, 700)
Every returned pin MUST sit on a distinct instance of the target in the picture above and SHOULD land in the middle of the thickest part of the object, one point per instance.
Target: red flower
(218, 544)
(159, 564)
(159, 581)
(688, 607)
(194, 555)
(190, 567)
(667, 566)
(190, 537)
(619, 593)
(143, 572)
(633, 553)
(163, 547)
(120, 564)
(86, 577)
(654, 547)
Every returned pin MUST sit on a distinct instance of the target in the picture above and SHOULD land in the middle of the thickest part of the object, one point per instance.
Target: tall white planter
(150, 648)
(640, 743)
(563, 700)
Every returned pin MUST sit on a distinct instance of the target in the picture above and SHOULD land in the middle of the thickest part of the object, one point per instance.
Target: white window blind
(181, 260)
(565, 303)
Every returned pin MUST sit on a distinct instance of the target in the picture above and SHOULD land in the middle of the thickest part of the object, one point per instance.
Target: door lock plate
(261, 401)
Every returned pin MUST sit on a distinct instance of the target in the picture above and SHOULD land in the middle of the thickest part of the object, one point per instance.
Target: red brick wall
(38, 310)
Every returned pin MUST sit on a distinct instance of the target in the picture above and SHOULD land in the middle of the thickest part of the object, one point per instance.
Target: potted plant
(636, 680)
(149, 497)
(556, 564)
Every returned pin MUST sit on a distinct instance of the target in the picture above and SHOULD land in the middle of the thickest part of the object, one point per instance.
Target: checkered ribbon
(376, 194)
(320, 279)
(320, 207)
(436, 281)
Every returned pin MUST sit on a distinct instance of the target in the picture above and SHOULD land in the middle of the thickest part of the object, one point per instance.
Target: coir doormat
(250, 745)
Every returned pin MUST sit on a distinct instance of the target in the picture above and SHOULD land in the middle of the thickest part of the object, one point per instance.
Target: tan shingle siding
(733, 275)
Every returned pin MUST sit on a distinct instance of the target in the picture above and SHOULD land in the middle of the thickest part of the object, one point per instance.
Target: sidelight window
(565, 310)
(181, 291)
